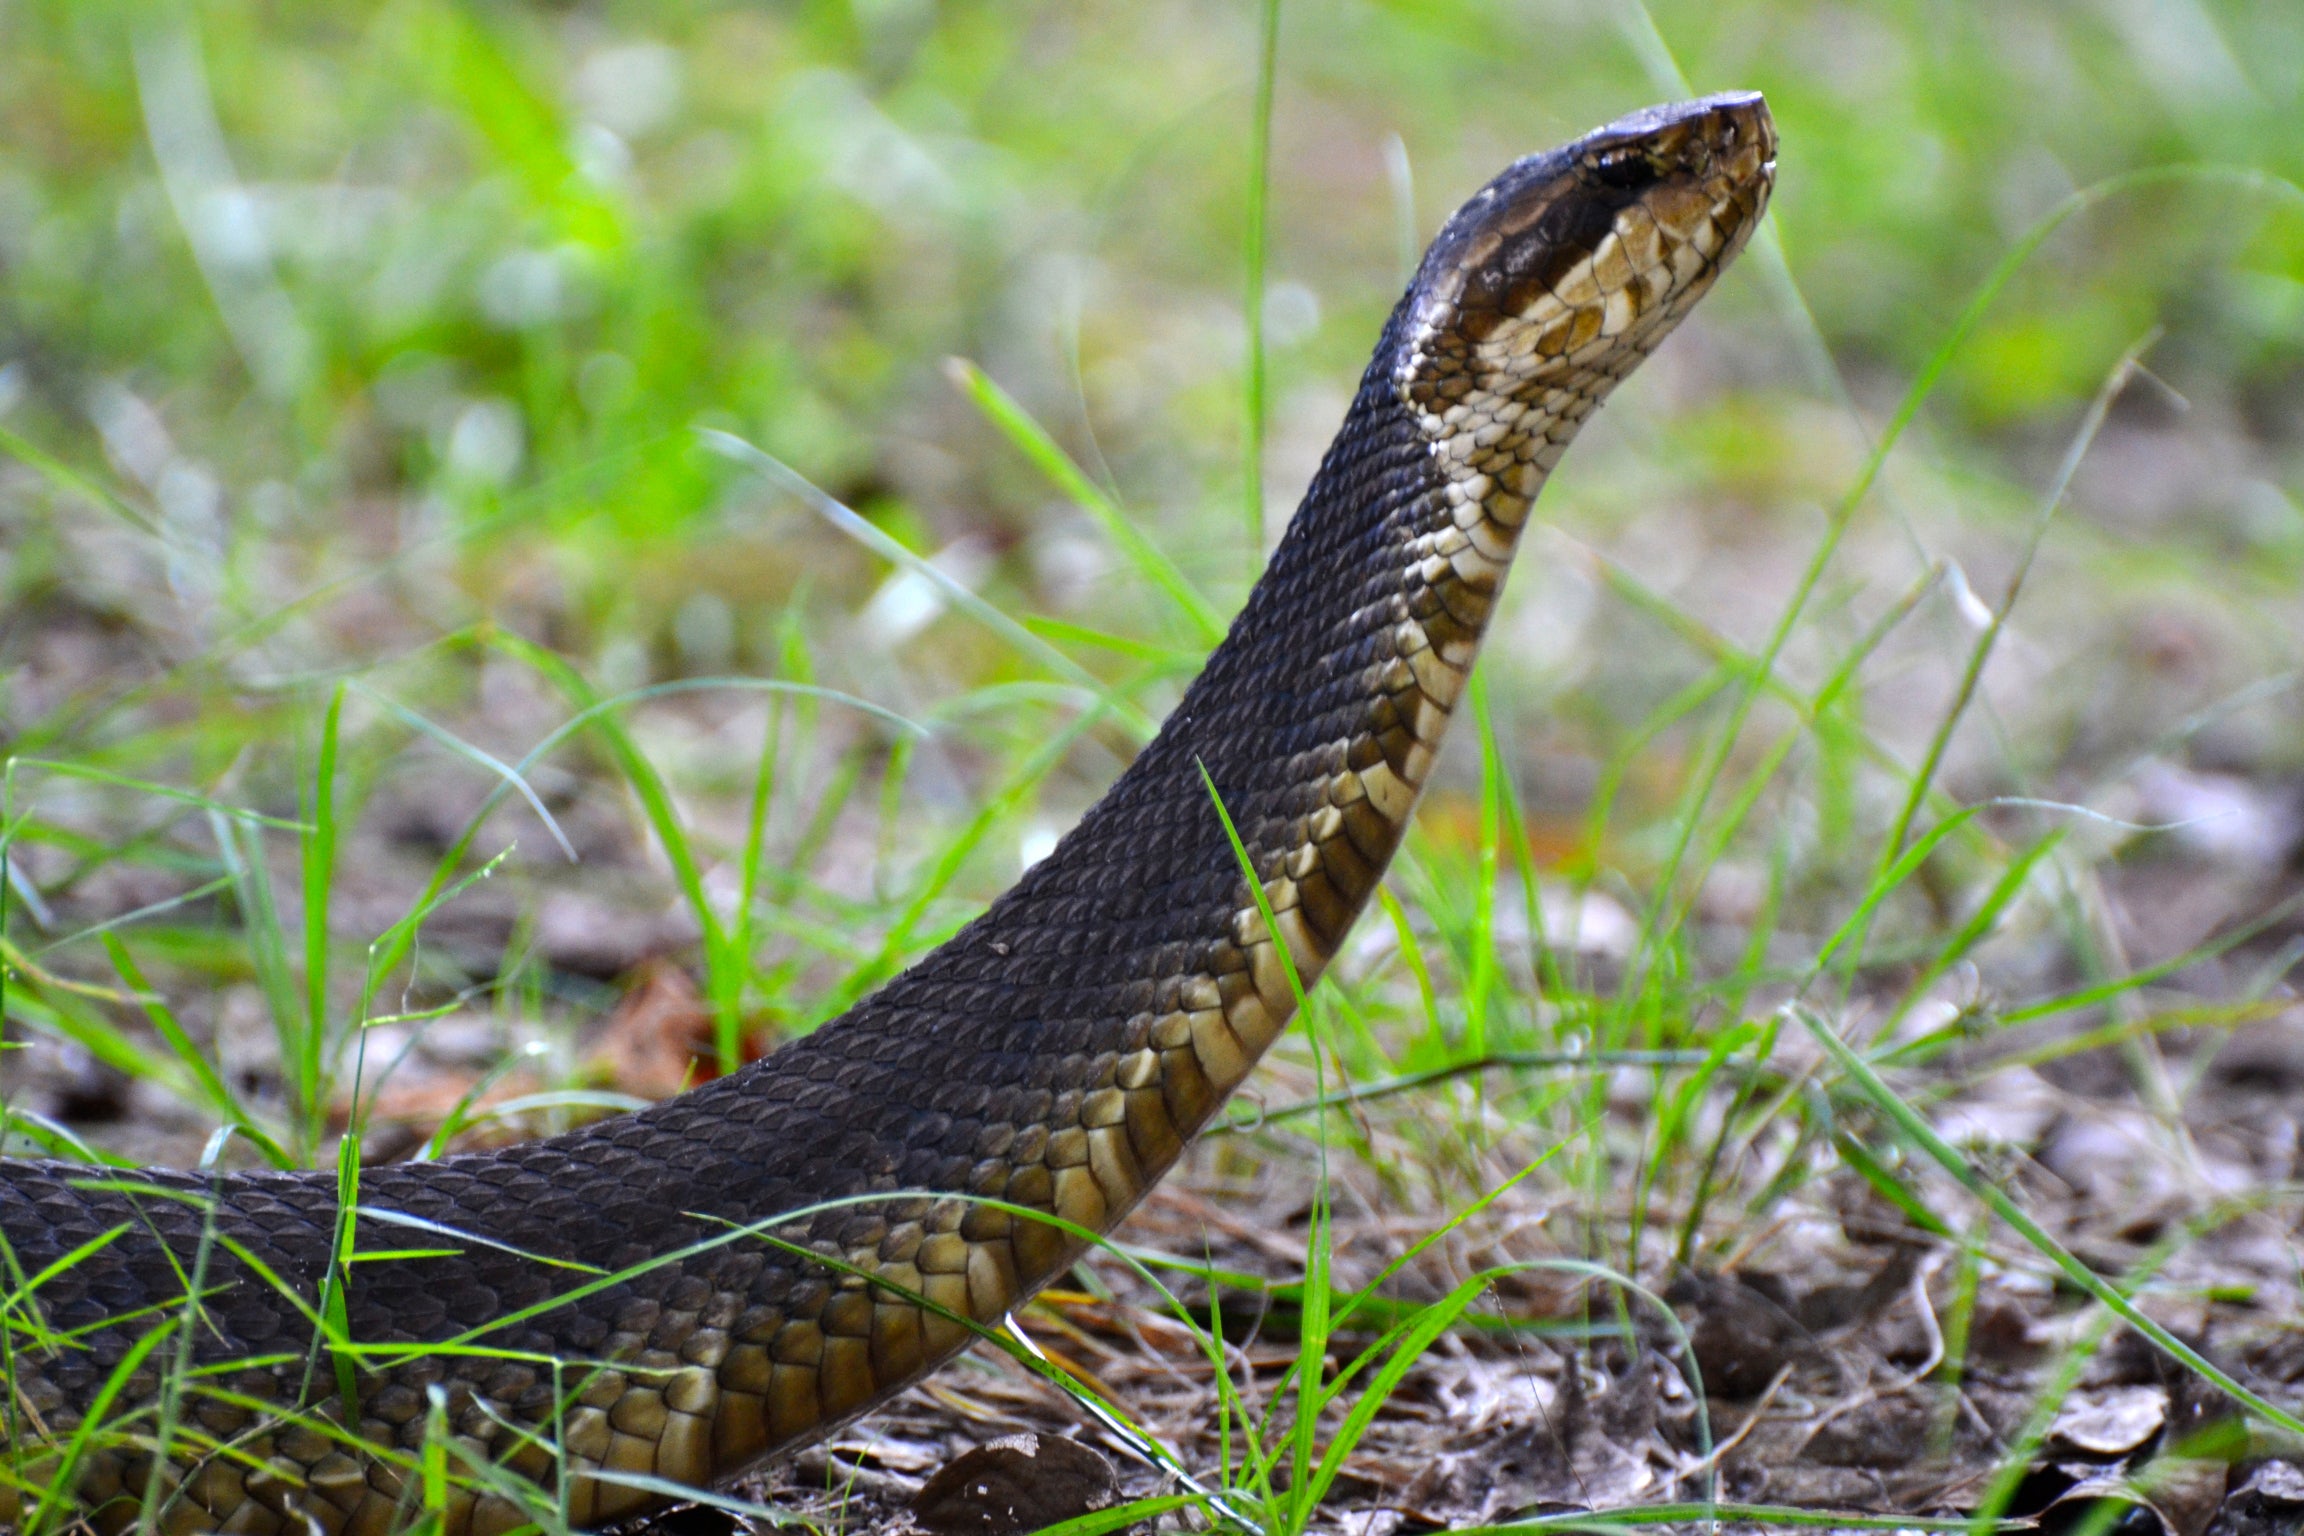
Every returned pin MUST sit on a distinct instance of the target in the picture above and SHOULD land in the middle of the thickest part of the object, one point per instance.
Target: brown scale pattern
(609, 1304)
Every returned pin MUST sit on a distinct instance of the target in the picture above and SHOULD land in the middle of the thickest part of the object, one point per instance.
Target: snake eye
(1625, 169)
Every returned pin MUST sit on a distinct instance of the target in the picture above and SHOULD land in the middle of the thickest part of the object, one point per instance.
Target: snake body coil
(578, 1322)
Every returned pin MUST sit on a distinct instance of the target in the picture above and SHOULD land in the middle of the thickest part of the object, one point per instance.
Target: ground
(1886, 796)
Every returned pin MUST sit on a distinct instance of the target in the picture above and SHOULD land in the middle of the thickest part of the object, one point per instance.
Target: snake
(576, 1329)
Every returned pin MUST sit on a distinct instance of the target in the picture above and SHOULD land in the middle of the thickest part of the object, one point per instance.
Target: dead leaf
(2110, 1421)
(2184, 1491)
(1015, 1484)
(2182, 1499)
(2276, 1482)
(1742, 1335)
(660, 1039)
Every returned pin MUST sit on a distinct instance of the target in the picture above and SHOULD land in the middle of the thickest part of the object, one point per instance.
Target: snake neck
(1315, 722)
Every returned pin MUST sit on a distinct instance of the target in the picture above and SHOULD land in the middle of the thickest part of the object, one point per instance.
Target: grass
(592, 433)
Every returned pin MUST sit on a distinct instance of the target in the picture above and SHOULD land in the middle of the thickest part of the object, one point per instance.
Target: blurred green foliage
(316, 289)
(363, 249)
(345, 341)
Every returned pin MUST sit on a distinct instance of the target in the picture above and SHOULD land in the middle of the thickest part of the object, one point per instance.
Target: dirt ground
(1818, 1331)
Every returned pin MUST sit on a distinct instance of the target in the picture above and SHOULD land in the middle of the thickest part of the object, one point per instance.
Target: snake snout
(1681, 167)
(1731, 133)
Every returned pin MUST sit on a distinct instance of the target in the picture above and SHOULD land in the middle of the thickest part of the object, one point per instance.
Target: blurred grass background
(352, 361)
(329, 331)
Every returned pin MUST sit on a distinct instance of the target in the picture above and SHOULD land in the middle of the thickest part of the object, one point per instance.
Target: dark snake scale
(602, 1306)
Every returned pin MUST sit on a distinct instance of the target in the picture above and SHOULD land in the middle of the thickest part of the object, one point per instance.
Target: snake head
(1557, 277)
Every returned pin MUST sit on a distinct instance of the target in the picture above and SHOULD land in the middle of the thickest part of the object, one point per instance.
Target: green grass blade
(1167, 659)
(950, 859)
(729, 979)
(504, 771)
(1980, 923)
(221, 1101)
(1412, 956)
(135, 915)
(647, 784)
(1972, 675)
(55, 1011)
(1313, 1341)
(395, 943)
(241, 848)
(1032, 440)
(99, 1410)
(857, 527)
(1255, 244)
(183, 797)
(69, 480)
(320, 876)
(1923, 1137)
(1908, 409)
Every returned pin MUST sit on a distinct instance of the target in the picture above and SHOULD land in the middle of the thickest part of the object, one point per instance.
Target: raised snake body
(602, 1301)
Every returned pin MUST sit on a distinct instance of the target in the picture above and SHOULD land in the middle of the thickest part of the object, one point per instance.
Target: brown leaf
(660, 1040)
(2184, 1491)
(2181, 1493)
(1742, 1335)
(1015, 1484)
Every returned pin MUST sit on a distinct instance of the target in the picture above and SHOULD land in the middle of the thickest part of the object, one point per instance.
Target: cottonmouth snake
(603, 1299)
